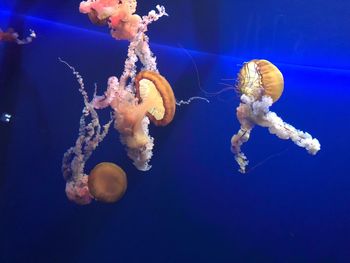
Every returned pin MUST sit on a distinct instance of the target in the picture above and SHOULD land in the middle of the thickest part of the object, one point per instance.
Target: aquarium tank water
(174, 131)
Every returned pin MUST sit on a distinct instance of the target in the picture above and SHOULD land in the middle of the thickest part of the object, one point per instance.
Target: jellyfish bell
(154, 90)
(260, 77)
(107, 182)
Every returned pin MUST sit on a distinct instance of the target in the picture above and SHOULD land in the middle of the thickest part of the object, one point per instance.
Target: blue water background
(193, 205)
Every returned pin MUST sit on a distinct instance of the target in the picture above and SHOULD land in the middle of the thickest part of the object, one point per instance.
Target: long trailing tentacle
(90, 135)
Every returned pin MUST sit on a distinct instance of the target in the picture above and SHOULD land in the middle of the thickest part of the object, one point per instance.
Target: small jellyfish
(260, 84)
(107, 182)
(12, 36)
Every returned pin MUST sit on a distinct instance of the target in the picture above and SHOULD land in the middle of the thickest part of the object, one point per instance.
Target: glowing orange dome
(257, 75)
(152, 86)
(107, 182)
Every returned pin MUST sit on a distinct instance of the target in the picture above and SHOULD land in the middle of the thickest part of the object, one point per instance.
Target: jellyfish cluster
(12, 36)
(143, 96)
(260, 84)
(137, 98)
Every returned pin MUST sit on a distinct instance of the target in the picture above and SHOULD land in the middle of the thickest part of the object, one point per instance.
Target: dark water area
(193, 205)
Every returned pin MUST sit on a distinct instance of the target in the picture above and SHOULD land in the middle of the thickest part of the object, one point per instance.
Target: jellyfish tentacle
(139, 49)
(187, 102)
(237, 141)
(27, 39)
(104, 101)
(243, 135)
(90, 135)
(130, 65)
(261, 115)
(139, 146)
(285, 131)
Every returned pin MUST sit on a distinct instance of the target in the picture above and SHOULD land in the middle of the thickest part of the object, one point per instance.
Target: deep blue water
(193, 205)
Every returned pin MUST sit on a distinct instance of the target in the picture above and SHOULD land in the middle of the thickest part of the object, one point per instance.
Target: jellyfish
(107, 182)
(260, 84)
(153, 101)
(11, 36)
(119, 15)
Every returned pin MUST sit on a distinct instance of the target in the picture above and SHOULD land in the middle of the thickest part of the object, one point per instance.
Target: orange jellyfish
(107, 182)
(153, 101)
(260, 84)
(119, 15)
